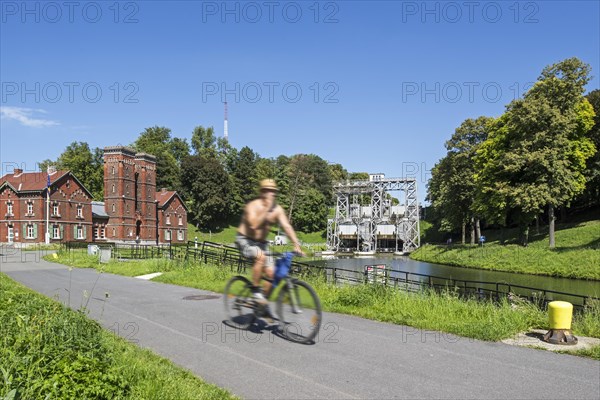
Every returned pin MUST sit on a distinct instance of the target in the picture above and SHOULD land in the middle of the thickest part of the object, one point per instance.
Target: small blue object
(482, 238)
(282, 267)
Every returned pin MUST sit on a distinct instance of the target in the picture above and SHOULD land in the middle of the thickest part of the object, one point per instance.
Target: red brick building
(23, 206)
(172, 217)
(132, 209)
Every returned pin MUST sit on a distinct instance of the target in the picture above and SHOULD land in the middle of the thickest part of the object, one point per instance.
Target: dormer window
(55, 209)
(80, 211)
(9, 208)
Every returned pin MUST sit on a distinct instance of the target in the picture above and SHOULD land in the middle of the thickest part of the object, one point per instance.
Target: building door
(138, 229)
(11, 234)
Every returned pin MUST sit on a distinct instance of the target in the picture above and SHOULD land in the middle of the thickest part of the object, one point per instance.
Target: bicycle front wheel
(238, 302)
(299, 310)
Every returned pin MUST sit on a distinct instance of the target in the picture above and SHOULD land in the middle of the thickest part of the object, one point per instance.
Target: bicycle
(298, 306)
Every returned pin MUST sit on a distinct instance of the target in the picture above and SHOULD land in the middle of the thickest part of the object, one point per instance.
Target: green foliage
(536, 153)
(452, 188)
(207, 186)
(311, 212)
(204, 142)
(168, 151)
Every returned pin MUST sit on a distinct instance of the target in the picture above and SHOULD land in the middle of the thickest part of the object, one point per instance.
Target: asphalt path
(352, 358)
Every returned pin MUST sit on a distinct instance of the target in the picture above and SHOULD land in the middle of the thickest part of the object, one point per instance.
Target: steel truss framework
(347, 213)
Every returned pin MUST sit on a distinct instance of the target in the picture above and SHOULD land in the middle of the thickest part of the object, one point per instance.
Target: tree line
(216, 180)
(538, 156)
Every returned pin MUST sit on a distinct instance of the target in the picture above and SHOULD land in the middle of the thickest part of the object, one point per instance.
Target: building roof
(31, 181)
(98, 210)
(164, 197)
(36, 182)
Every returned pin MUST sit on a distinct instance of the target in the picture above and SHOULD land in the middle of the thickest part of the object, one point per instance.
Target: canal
(405, 264)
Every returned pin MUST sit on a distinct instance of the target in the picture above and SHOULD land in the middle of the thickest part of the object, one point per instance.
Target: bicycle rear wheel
(238, 302)
(299, 310)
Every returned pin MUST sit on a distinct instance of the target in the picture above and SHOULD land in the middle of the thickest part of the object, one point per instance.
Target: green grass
(577, 253)
(50, 351)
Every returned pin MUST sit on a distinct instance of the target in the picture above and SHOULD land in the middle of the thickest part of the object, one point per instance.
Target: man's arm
(284, 223)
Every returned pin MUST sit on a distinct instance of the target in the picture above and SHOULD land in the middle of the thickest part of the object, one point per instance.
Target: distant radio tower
(225, 130)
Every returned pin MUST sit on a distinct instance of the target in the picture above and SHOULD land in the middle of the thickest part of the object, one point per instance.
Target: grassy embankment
(50, 351)
(227, 236)
(441, 312)
(577, 253)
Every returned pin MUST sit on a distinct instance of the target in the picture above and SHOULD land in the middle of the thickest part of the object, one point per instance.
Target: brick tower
(145, 194)
(129, 190)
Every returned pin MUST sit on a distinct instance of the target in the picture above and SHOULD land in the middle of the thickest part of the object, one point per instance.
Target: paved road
(353, 357)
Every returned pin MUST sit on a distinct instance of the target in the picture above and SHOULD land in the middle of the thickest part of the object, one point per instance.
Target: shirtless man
(252, 233)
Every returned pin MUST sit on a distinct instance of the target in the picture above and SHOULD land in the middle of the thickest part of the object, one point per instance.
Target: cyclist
(259, 215)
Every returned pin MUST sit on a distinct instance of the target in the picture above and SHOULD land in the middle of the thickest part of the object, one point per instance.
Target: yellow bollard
(560, 315)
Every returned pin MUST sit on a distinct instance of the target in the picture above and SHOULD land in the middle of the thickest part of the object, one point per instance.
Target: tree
(180, 149)
(537, 156)
(157, 142)
(308, 171)
(311, 211)
(207, 186)
(85, 164)
(204, 141)
(592, 171)
(452, 189)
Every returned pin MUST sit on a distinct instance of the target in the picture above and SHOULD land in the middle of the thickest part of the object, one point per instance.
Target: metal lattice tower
(379, 226)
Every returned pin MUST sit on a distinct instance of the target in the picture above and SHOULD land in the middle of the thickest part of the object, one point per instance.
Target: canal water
(405, 264)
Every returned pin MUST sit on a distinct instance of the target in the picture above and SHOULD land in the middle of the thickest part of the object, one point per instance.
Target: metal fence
(402, 280)
(130, 251)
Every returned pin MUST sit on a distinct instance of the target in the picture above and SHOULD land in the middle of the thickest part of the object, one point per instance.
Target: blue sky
(383, 84)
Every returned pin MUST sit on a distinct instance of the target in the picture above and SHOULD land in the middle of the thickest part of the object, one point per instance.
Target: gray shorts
(251, 248)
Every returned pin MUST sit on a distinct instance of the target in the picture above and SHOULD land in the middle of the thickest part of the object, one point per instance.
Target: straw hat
(268, 184)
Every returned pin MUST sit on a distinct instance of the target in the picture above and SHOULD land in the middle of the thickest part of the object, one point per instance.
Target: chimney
(17, 171)
(163, 190)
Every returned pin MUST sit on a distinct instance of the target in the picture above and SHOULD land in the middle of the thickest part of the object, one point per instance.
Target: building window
(79, 232)
(180, 235)
(113, 207)
(30, 231)
(55, 209)
(102, 233)
(9, 208)
(55, 232)
(113, 188)
(127, 208)
(114, 232)
(29, 208)
(168, 235)
(113, 170)
(79, 211)
(168, 219)
(96, 233)
(127, 189)
(181, 220)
